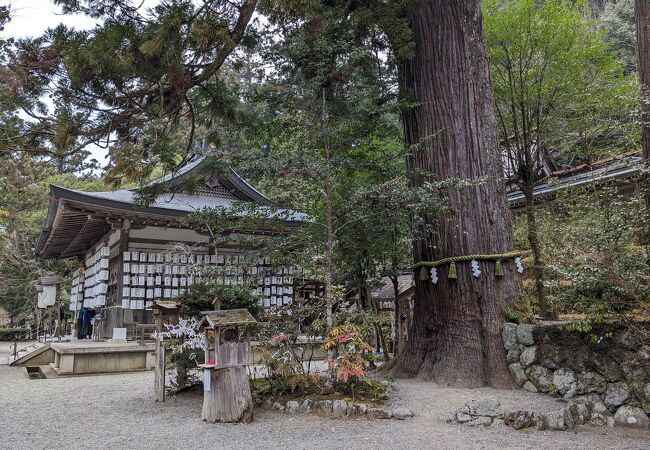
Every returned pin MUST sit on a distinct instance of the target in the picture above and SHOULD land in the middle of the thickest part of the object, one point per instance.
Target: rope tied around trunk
(452, 260)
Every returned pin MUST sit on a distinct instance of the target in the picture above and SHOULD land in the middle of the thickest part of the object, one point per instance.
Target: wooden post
(159, 369)
(227, 395)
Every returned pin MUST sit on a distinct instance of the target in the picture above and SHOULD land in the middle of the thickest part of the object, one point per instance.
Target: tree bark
(329, 252)
(642, 16)
(455, 339)
(228, 397)
(397, 324)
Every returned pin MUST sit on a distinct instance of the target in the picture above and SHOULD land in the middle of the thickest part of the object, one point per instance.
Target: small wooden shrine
(226, 390)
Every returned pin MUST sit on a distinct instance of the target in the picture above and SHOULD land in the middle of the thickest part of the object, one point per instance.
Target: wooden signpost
(226, 390)
(162, 310)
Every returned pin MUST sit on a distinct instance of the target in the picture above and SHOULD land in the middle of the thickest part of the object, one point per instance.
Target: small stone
(616, 395)
(518, 419)
(530, 387)
(484, 407)
(462, 417)
(357, 409)
(518, 373)
(560, 419)
(565, 382)
(525, 334)
(339, 408)
(278, 406)
(598, 420)
(402, 413)
(589, 382)
(580, 413)
(539, 420)
(528, 356)
(380, 413)
(541, 377)
(608, 368)
(600, 407)
(611, 422)
(514, 354)
(583, 414)
(323, 407)
(509, 335)
(646, 391)
(292, 407)
(644, 352)
(588, 400)
(631, 416)
(627, 341)
(305, 406)
(480, 421)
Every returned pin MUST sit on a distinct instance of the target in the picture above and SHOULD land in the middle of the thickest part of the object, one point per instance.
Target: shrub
(11, 333)
(596, 259)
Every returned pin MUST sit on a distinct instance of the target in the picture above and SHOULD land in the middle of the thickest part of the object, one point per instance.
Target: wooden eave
(227, 317)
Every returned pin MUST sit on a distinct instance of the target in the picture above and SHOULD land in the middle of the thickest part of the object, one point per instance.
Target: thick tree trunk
(227, 396)
(642, 15)
(545, 309)
(456, 335)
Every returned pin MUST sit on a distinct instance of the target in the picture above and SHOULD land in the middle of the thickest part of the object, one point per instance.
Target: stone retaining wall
(609, 367)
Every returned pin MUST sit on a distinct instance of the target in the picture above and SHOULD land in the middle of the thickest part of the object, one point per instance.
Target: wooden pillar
(226, 395)
(159, 368)
(123, 247)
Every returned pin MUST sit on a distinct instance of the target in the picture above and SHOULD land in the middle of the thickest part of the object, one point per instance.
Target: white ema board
(119, 333)
(206, 379)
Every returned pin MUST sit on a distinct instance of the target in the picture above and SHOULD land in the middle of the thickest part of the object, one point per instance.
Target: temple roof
(76, 220)
(227, 317)
(614, 169)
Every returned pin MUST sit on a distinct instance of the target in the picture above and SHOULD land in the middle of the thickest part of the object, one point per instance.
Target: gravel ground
(117, 412)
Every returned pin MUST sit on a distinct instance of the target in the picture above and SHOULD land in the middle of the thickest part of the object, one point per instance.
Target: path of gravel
(116, 412)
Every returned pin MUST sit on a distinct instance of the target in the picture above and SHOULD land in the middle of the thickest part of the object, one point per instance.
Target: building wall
(131, 268)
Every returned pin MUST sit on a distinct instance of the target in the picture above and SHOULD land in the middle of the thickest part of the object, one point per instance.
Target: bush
(200, 295)
(596, 259)
(8, 334)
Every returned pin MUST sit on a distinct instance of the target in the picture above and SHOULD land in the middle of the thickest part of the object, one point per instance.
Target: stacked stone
(609, 379)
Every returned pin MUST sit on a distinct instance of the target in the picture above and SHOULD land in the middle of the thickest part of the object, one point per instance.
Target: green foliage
(183, 361)
(128, 84)
(293, 334)
(10, 333)
(618, 23)
(200, 295)
(556, 83)
(597, 262)
(24, 196)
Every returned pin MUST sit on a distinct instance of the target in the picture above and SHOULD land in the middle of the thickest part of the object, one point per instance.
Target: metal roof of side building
(617, 169)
